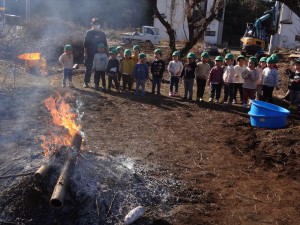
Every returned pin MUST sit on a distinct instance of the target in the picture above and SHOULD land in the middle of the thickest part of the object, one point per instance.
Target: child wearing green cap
(261, 66)
(141, 74)
(215, 79)
(188, 74)
(174, 68)
(66, 59)
(99, 66)
(157, 70)
(136, 51)
(250, 76)
(238, 80)
(294, 85)
(201, 73)
(228, 78)
(113, 69)
(126, 69)
(269, 80)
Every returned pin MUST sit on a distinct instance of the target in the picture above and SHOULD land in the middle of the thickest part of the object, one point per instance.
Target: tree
(197, 22)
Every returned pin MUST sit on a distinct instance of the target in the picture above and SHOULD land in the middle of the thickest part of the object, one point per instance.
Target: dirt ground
(186, 163)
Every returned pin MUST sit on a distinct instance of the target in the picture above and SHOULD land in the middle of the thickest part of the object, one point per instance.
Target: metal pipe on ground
(58, 195)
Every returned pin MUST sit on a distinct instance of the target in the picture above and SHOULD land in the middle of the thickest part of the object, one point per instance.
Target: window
(210, 33)
(297, 38)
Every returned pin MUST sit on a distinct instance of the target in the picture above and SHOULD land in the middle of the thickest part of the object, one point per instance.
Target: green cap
(253, 59)
(270, 60)
(113, 51)
(274, 57)
(176, 53)
(297, 61)
(204, 55)
(229, 56)
(68, 48)
(142, 56)
(100, 45)
(263, 59)
(191, 55)
(136, 47)
(219, 58)
(127, 52)
(158, 51)
(240, 57)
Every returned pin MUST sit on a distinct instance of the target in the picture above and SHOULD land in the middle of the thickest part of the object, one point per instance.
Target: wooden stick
(111, 204)
(16, 175)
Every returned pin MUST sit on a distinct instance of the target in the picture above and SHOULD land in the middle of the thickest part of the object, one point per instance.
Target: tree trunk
(170, 30)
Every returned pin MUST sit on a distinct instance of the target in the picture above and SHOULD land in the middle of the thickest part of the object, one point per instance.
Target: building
(173, 12)
(288, 29)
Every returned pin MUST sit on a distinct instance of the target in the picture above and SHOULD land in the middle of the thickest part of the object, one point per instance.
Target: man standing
(92, 38)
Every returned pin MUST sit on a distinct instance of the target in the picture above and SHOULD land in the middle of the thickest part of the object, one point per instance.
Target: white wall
(287, 32)
(179, 22)
(175, 17)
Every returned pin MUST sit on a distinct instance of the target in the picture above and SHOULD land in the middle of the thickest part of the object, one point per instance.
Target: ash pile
(74, 187)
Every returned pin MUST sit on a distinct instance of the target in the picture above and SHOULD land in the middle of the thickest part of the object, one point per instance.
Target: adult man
(92, 38)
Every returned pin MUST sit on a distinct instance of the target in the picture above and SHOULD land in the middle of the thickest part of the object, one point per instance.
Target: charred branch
(58, 195)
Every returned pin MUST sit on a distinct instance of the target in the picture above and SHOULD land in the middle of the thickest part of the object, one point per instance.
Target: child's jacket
(141, 71)
(270, 77)
(294, 82)
(228, 75)
(188, 71)
(127, 66)
(175, 68)
(113, 66)
(157, 68)
(66, 60)
(100, 62)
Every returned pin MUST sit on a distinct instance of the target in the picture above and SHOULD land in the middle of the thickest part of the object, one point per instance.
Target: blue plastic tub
(267, 115)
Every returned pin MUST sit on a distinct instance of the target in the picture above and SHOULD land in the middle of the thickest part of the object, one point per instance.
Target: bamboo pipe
(42, 172)
(58, 195)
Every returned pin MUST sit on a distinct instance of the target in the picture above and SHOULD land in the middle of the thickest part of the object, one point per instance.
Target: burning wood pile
(63, 117)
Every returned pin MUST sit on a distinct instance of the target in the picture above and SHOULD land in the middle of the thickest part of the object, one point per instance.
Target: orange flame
(63, 117)
(30, 56)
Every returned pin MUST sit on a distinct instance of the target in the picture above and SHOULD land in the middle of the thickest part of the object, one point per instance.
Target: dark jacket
(294, 81)
(91, 39)
(157, 68)
(113, 66)
(188, 71)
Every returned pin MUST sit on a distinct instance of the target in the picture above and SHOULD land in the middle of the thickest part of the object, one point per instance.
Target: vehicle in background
(258, 34)
(148, 35)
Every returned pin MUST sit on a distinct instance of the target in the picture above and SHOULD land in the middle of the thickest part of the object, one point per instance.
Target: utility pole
(27, 9)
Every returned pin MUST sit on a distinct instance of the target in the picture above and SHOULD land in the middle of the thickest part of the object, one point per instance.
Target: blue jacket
(141, 71)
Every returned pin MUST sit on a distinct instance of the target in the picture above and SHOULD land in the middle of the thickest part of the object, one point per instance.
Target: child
(250, 76)
(120, 57)
(157, 70)
(269, 80)
(260, 68)
(136, 51)
(99, 66)
(175, 68)
(238, 80)
(228, 78)
(215, 80)
(113, 69)
(188, 74)
(141, 74)
(294, 85)
(126, 69)
(201, 73)
(66, 59)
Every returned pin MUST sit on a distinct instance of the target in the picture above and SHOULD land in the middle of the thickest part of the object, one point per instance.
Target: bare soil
(186, 163)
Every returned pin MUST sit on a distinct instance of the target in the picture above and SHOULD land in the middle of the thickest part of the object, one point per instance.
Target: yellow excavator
(257, 34)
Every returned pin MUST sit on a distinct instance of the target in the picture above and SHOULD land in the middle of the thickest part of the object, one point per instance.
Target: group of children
(250, 78)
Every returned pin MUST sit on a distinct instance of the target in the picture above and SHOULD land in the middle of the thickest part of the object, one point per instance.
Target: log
(58, 195)
(42, 172)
